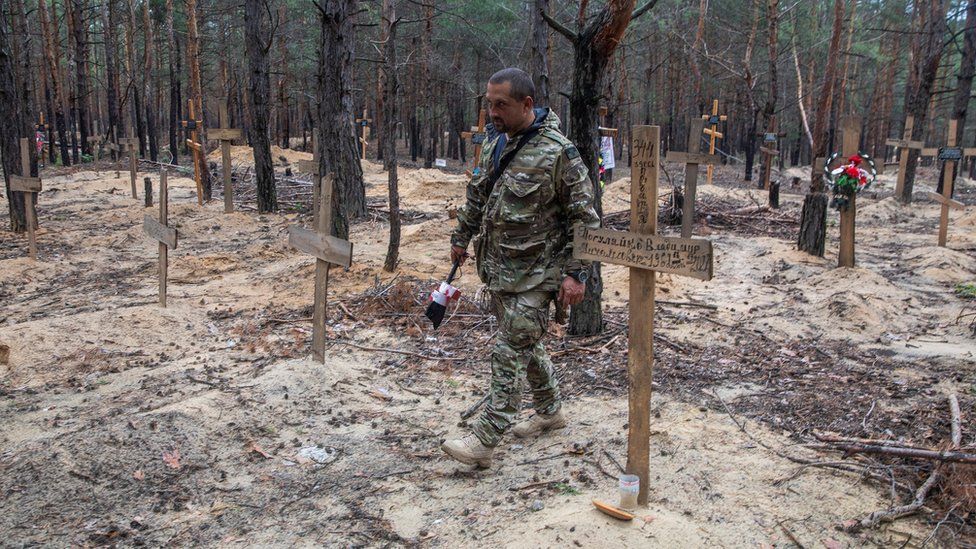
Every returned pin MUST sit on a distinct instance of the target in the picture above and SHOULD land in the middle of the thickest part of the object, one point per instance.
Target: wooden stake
(364, 124)
(947, 179)
(226, 134)
(28, 186)
(163, 233)
(193, 143)
(905, 146)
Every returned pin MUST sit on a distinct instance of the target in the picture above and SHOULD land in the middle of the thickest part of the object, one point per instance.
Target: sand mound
(243, 155)
(883, 211)
(857, 301)
(942, 264)
(968, 219)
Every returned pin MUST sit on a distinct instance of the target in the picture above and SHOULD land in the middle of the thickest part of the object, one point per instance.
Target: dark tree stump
(147, 183)
(813, 224)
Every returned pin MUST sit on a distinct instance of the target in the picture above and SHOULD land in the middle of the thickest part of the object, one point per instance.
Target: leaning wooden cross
(130, 145)
(950, 154)
(646, 254)
(364, 125)
(328, 250)
(163, 233)
(905, 146)
(27, 185)
(713, 134)
(193, 125)
(226, 134)
(477, 136)
(691, 159)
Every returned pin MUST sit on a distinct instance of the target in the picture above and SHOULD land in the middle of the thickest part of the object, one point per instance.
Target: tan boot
(469, 450)
(539, 423)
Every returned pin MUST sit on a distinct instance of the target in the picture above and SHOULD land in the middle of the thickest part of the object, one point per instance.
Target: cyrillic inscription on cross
(645, 254)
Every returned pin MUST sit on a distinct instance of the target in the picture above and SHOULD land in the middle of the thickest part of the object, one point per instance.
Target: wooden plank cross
(950, 154)
(477, 136)
(29, 186)
(193, 125)
(768, 150)
(691, 159)
(713, 134)
(94, 141)
(328, 250)
(851, 137)
(363, 123)
(905, 146)
(131, 146)
(163, 233)
(646, 254)
(226, 134)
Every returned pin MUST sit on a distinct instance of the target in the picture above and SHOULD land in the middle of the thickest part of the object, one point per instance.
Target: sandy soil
(206, 423)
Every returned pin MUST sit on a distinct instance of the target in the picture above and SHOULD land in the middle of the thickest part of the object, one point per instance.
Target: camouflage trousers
(518, 352)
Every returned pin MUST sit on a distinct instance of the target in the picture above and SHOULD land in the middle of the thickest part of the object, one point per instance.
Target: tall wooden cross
(691, 159)
(193, 125)
(905, 146)
(477, 136)
(950, 154)
(712, 132)
(226, 134)
(28, 186)
(312, 167)
(163, 233)
(363, 123)
(130, 145)
(851, 137)
(328, 250)
(646, 254)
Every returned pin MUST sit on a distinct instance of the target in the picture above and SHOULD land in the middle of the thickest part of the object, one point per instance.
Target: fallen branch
(396, 351)
(470, 411)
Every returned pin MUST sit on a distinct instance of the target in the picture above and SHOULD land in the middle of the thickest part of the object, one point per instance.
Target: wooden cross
(163, 233)
(905, 145)
(27, 185)
(94, 142)
(328, 250)
(768, 150)
(645, 253)
(604, 131)
(364, 124)
(950, 154)
(691, 159)
(226, 134)
(193, 142)
(312, 167)
(713, 133)
(130, 145)
(477, 136)
(851, 137)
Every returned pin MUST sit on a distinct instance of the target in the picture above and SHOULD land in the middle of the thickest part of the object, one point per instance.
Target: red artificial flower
(856, 159)
(864, 180)
(851, 171)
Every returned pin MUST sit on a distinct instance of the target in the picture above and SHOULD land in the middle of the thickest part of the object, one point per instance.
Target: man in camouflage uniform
(523, 225)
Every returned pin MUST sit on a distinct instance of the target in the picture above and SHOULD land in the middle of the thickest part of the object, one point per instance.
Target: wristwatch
(580, 276)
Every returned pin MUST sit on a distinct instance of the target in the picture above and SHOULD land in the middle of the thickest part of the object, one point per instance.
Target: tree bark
(111, 70)
(338, 147)
(964, 84)
(174, 85)
(924, 70)
(540, 52)
(389, 115)
(51, 57)
(813, 219)
(149, 87)
(135, 80)
(196, 91)
(80, 36)
(16, 104)
(257, 29)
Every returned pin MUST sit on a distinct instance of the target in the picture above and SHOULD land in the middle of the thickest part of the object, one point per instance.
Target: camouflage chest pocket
(526, 190)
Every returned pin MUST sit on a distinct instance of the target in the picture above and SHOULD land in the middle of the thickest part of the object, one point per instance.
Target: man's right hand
(457, 255)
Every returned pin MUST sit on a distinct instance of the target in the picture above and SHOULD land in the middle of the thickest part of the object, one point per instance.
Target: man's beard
(499, 125)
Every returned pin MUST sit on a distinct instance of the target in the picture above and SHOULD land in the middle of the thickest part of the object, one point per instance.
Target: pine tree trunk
(130, 67)
(174, 85)
(964, 83)
(338, 147)
(196, 92)
(540, 52)
(80, 36)
(389, 115)
(111, 70)
(282, 117)
(148, 81)
(813, 219)
(428, 125)
(16, 104)
(51, 57)
(257, 31)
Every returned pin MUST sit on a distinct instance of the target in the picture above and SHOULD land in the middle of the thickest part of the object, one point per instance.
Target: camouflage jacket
(524, 225)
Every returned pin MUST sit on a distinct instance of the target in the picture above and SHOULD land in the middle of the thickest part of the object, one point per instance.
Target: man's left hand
(571, 291)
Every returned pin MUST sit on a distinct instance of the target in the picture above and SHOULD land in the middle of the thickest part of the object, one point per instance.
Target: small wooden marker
(646, 254)
(312, 167)
(94, 141)
(713, 134)
(163, 233)
(193, 142)
(950, 155)
(328, 250)
(477, 136)
(768, 150)
(131, 145)
(363, 123)
(905, 146)
(28, 186)
(226, 134)
(692, 159)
